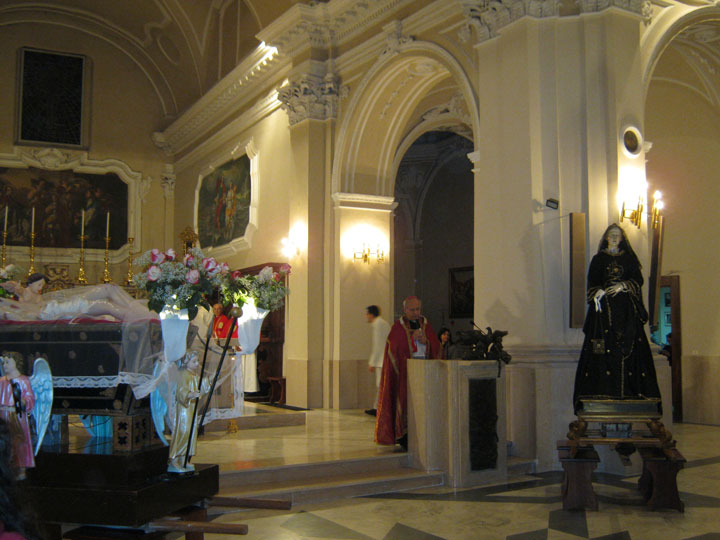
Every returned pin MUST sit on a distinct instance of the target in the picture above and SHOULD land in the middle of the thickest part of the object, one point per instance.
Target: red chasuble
(391, 422)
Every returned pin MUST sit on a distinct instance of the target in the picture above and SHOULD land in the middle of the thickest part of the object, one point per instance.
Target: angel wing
(41, 383)
(161, 398)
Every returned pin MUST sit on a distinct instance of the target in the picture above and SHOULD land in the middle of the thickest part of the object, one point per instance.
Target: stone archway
(682, 115)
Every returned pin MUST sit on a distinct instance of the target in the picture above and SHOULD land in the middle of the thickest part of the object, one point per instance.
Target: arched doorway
(682, 121)
(433, 224)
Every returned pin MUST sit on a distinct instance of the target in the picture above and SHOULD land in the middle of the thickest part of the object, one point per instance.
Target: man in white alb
(380, 331)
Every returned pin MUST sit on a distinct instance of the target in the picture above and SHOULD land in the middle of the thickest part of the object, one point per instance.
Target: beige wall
(124, 113)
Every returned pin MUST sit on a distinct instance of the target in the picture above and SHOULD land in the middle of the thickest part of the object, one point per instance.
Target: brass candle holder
(31, 269)
(129, 276)
(4, 235)
(82, 279)
(106, 272)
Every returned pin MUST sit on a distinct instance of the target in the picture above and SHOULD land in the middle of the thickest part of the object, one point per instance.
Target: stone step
(335, 486)
(301, 472)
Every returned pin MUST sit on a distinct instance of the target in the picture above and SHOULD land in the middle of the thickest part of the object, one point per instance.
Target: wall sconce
(634, 215)
(365, 253)
(658, 205)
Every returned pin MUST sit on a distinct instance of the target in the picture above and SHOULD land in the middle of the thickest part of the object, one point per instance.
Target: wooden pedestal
(577, 490)
(658, 482)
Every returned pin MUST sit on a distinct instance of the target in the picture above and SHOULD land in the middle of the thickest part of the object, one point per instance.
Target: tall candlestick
(107, 225)
(32, 221)
(6, 213)
(82, 222)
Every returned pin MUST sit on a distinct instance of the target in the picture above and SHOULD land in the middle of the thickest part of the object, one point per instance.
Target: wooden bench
(578, 464)
(658, 482)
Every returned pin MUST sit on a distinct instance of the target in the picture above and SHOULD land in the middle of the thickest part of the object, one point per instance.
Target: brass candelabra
(82, 279)
(31, 269)
(106, 272)
(129, 276)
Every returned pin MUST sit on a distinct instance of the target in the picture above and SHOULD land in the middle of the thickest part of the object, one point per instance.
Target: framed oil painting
(462, 292)
(59, 198)
(223, 208)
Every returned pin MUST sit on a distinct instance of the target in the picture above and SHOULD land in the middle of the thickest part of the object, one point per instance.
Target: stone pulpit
(456, 419)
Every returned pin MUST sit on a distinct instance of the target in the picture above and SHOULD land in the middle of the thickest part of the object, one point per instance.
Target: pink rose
(285, 269)
(276, 276)
(153, 273)
(192, 277)
(189, 259)
(170, 254)
(237, 274)
(210, 265)
(224, 268)
(157, 256)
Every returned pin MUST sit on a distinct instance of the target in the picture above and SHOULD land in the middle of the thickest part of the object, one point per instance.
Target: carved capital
(167, 181)
(486, 17)
(641, 7)
(310, 96)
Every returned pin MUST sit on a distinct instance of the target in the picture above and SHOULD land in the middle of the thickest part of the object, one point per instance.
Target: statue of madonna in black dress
(616, 361)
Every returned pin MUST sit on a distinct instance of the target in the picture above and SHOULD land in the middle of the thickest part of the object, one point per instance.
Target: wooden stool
(577, 490)
(658, 482)
(277, 390)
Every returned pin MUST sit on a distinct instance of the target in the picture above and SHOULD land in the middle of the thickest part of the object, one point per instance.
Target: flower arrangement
(9, 273)
(266, 289)
(181, 284)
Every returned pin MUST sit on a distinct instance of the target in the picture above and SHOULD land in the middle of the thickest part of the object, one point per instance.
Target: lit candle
(6, 213)
(82, 222)
(107, 226)
(32, 221)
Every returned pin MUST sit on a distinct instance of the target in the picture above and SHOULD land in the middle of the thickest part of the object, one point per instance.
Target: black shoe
(402, 441)
(371, 412)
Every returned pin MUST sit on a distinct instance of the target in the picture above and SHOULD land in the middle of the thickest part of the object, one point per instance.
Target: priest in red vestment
(410, 336)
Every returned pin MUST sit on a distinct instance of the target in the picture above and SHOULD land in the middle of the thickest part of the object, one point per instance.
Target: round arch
(664, 29)
(380, 114)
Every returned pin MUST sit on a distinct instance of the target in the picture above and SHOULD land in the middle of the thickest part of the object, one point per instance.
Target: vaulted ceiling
(184, 46)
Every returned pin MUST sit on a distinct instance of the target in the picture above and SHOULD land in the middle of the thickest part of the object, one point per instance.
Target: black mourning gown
(626, 370)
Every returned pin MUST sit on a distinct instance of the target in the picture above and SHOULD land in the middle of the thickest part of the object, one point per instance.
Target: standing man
(380, 331)
(410, 336)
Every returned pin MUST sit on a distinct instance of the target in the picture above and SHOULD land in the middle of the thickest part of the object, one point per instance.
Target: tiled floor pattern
(526, 508)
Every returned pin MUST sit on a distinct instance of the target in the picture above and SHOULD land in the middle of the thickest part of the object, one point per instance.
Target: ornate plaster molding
(454, 110)
(310, 96)
(325, 24)
(55, 159)
(395, 39)
(640, 7)
(364, 201)
(487, 17)
(234, 91)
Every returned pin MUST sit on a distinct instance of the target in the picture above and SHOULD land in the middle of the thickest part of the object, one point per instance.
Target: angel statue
(20, 397)
(187, 393)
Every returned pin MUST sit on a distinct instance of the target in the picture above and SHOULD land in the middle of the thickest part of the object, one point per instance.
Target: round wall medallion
(632, 141)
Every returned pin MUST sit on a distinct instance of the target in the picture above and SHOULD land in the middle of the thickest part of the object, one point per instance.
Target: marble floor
(526, 507)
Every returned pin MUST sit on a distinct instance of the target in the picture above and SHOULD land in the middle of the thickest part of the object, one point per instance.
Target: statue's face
(8, 365)
(37, 286)
(614, 237)
(192, 363)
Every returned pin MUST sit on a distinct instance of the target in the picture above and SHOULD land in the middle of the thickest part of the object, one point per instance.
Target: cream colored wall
(683, 162)
(124, 113)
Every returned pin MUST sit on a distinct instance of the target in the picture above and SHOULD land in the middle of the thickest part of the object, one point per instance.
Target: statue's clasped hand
(612, 290)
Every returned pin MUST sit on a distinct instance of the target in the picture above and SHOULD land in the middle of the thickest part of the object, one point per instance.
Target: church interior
(385, 149)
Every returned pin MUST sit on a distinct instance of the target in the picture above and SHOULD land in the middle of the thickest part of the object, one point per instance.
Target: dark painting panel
(462, 292)
(59, 198)
(224, 203)
(482, 424)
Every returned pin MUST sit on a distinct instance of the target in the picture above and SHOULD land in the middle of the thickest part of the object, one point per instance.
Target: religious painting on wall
(462, 292)
(59, 199)
(224, 203)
